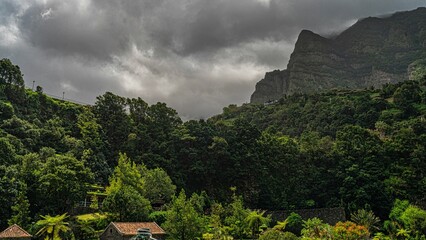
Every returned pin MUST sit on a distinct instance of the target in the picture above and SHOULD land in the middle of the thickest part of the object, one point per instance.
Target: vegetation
(53, 227)
(183, 220)
(360, 149)
(365, 218)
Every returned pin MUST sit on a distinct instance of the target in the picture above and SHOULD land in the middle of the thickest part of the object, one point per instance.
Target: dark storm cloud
(196, 55)
(207, 25)
(67, 28)
(101, 28)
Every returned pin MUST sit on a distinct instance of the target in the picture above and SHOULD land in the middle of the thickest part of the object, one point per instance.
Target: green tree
(407, 94)
(10, 188)
(162, 117)
(138, 140)
(6, 110)
(414, 220)
(398, 209)
(11, 80)
(128, 204)
(158, 140)
(10, 74)
(94, 153)
(158, 187)
(97, 164)
(21, 211)
(236, 215)
(406, 221)
(61, 183)
(53, 227)
(138, 110)
(128, 174)
(360, 169)
(110, 112)
(126, 192)
(54, 132)
(29, 173)
(406, 150)
(7, 153)
(201, 202)
(279, 162)
(183, 222)
(26, 132)
(94, 146)
(217, 229)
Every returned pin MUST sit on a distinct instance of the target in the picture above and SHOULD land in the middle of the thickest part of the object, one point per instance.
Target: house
(127, 230)
(15, 232)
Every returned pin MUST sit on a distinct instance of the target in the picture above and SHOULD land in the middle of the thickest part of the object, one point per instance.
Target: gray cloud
(66, 28)
(196, 55)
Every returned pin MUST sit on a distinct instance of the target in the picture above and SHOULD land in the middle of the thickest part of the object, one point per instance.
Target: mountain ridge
(372, 52)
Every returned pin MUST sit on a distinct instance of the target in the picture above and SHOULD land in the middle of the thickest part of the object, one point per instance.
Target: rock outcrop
(372, 52)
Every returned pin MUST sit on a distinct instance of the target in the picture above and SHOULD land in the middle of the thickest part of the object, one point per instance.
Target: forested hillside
(359, 149)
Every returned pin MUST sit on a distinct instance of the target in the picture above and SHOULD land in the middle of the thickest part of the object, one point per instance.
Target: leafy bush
(314, 228)
(349, 230)
(414, 219)
(294, 223)
(273, 234)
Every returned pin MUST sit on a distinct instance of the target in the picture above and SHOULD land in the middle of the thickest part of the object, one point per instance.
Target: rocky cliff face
(372, 52)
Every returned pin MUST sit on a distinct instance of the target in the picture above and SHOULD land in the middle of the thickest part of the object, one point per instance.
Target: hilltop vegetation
(359, 149)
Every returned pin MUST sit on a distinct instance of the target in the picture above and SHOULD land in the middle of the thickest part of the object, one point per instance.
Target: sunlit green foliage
(255, 221)
(183, 221)
(53, 227)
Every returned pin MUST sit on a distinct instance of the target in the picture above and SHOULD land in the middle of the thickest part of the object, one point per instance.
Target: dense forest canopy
(357, 149)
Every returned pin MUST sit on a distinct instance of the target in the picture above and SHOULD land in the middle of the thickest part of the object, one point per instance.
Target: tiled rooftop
(14, 231)
(131, 228)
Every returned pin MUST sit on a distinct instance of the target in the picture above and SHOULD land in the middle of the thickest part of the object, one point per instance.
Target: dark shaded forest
(356, 149)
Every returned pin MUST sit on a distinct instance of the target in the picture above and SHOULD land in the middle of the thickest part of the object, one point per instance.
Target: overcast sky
(198, 56)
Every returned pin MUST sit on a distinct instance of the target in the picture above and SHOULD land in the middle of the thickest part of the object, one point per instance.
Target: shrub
(349, 230)
(314, 228)
(366, 219)
(273, 234)
(294, 223)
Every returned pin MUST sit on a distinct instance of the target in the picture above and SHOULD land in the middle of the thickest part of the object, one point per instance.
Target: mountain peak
(372, 52)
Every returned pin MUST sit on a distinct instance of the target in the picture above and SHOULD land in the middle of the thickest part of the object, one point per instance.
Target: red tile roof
(14, 231)
(131, 228)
